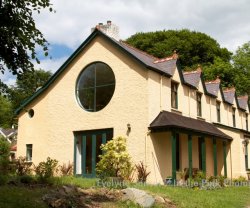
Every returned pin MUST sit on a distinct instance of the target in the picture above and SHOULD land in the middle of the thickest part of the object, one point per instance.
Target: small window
(234, 120)
(218, 111)
(246, 121)
(29, 152)
(198, 100)
(174, 95)
(246, 154)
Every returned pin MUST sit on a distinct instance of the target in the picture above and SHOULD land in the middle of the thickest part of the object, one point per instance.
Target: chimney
(109, 29)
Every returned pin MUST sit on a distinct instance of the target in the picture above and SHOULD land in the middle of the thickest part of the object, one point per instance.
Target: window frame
(94, 88)
(29, 152)
(218, 112)
(233, 116)
(247, 121)
(199, 104)
(174, 94)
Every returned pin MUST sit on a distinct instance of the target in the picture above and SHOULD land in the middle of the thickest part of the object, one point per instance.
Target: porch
(183, 143)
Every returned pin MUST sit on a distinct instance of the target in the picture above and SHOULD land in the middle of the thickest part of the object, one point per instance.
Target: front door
(87, 150)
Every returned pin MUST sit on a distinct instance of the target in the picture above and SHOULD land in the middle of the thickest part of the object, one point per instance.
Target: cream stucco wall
(140, 94)
(58, 115)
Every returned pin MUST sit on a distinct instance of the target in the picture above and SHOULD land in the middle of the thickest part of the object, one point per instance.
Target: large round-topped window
(95, 86)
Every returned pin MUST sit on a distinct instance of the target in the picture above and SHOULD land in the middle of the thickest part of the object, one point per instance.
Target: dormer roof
(213, 87)
(193, 77)
(243, 102)
(229, 95)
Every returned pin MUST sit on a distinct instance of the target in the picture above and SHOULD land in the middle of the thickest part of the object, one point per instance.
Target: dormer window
(233, 115)
(218, 111)
(174, 95)
(198, 101)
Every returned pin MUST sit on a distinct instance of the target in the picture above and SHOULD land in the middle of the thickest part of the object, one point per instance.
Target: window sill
(174, 110)
(200, 118)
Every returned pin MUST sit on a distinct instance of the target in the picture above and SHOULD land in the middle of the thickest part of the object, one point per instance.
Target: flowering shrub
(115, 162)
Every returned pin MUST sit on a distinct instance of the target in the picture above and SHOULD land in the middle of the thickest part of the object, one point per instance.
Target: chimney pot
(109, 22)
(100, 23)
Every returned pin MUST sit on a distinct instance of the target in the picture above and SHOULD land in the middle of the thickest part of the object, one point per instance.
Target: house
(173, 120)
(10, 135)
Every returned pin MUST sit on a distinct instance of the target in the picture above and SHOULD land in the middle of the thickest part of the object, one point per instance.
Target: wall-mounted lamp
(129, 127)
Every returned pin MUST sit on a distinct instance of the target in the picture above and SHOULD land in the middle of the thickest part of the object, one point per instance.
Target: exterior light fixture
(129, 127)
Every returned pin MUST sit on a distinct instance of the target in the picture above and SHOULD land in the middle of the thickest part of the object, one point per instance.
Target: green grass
(21, 197)
(185, 197)
(25, 197)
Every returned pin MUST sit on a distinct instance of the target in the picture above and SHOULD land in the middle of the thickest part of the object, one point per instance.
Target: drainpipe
(210, 109)
(231, 168)
(189, 102)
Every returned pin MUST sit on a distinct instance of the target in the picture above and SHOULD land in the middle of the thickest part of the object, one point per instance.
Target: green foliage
(241, 60)
(4, 155)
(193, 47)
(22, 167)
(19, 35)
(6, 112)
(26, 85)
(3, 179)
(46, 170)
(142, 172)
(115, 162)
(27, 179)
(240, 179)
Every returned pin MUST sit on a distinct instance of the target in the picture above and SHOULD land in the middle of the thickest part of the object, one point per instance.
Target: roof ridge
(217, 80)
(229, 89)
(136, 49)
(243, 97)
(168, 58)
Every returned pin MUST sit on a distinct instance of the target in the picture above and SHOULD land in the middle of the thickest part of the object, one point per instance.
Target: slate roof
(229, 95)
(213, 87)
(243, 102)
(8, 132)
(192, 78)
(170, 120)
(166, 65)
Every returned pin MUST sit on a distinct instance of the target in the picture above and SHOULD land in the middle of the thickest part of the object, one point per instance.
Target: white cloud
(51, 64)
(226, 20)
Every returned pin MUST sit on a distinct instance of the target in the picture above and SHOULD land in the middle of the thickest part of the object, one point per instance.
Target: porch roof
(167, 120)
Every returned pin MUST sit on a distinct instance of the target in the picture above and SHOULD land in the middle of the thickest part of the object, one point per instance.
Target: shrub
(4, 155)
(115, 162)
(142, 173)
(66, 170)
(22, 167)
(27, 179)
(240, 179)
(46, 170)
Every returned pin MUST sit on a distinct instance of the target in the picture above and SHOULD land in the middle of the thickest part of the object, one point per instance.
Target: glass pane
(87, 78)
(98, 145)
(104, 75)
(78, 155)
(89, 154)
(103, 96)
(86, 98)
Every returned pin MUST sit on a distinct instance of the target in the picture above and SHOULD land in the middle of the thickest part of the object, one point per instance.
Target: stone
(159, 199)
(69, 189)
(138, 196)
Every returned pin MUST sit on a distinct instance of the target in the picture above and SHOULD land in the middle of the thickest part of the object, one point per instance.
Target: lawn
(12, 196)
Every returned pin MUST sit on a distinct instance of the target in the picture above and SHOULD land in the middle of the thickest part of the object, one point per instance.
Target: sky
(227, 21)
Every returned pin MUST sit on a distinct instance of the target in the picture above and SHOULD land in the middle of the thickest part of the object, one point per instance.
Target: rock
(138, 196)
(168, 201)
(159, 199)
(69, 189)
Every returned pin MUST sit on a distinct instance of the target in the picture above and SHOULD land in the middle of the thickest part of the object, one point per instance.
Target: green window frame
(174, 95)
(198, 101)
(218, 111)
(29, 148)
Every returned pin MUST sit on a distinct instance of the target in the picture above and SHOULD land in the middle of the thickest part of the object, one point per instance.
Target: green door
(87, 150)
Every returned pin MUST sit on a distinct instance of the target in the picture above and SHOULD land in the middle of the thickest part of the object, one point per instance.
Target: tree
(26, 85)
(241, 64)
(6, 112)
(193, 47)
(19, 36)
